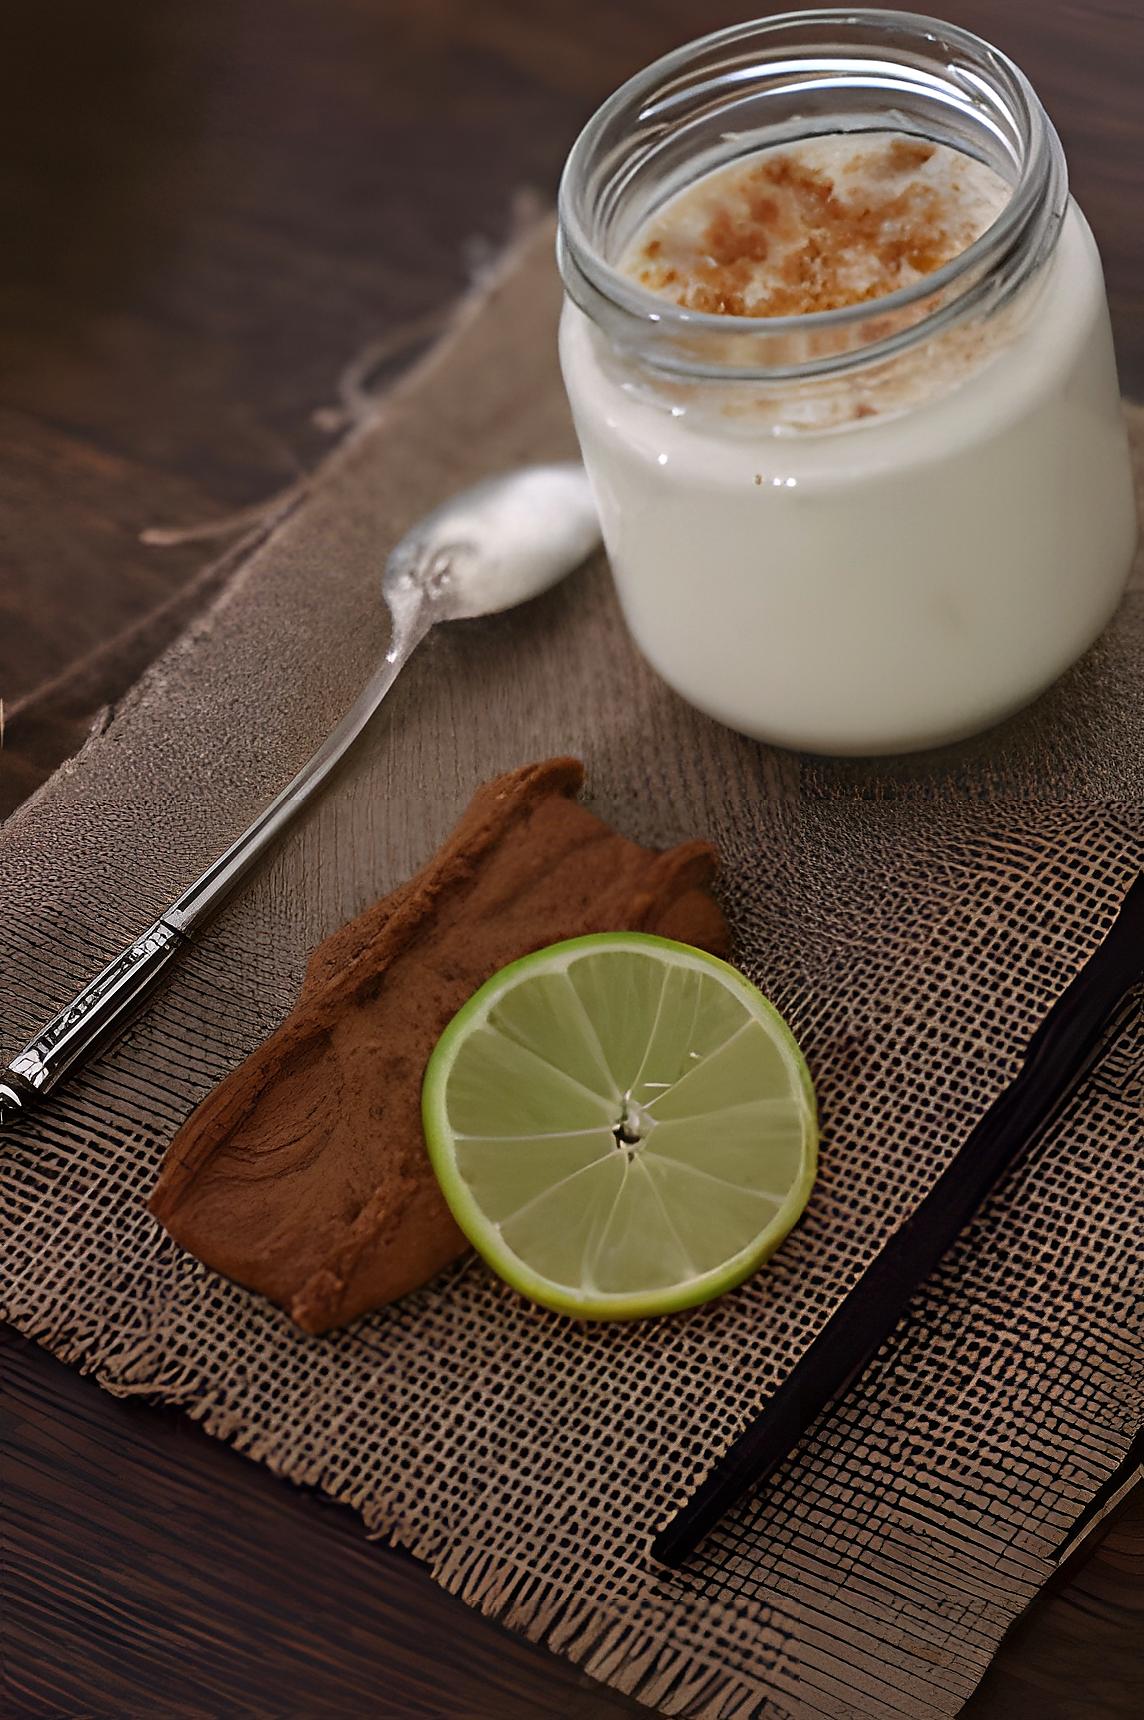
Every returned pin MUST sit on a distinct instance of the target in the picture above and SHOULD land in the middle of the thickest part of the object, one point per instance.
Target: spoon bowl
(489, 548)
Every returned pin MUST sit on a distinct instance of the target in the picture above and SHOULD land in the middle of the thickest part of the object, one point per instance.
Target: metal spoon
(488, 549)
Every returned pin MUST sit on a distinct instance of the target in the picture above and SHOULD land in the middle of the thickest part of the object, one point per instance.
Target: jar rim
(1033, 210)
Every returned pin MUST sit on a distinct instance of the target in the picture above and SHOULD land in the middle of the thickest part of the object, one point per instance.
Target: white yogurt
(882, 566)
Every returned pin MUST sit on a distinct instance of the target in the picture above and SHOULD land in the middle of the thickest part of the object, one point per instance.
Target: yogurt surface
(833, 221)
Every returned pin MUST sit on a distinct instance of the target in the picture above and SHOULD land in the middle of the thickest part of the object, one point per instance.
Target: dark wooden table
(209, 208)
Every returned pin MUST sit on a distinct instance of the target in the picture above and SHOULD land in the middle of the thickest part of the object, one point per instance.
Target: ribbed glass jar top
(778, 81)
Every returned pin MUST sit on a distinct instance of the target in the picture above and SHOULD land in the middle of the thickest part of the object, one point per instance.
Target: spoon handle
(93, 1018)
(198, 902)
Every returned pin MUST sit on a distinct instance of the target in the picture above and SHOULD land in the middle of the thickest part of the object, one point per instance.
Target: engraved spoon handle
(104, 1005)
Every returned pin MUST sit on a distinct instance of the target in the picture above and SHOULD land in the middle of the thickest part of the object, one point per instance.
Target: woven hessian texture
(913, 919)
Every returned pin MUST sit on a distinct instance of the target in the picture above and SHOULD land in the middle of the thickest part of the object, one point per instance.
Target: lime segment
(621, 1125)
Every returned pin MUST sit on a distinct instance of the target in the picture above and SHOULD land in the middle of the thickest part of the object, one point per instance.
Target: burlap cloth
(913, 919)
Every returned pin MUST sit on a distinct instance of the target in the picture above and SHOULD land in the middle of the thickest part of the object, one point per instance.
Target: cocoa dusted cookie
(304, 1175)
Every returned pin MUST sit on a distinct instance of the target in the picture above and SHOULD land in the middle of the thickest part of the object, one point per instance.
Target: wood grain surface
(210, 209)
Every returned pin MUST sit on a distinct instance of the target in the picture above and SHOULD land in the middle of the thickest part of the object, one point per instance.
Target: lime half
(621, 1126)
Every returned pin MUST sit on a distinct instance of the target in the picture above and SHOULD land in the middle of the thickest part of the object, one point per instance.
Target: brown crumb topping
(780, 236)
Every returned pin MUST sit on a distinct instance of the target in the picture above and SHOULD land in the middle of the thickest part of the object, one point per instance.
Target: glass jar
(862, 530)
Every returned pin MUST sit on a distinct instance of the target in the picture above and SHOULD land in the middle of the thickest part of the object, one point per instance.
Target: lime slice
(621, 1126)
